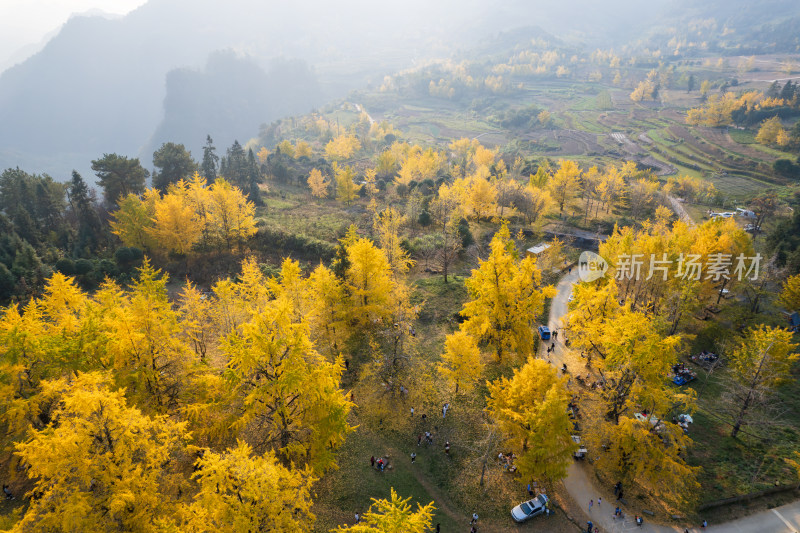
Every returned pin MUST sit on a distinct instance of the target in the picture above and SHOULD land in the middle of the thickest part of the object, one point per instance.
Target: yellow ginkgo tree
(242, 491)
(100, 465)
(461, 362)
(286, 395)
(318, 184)
(506, 298)
(531, 410)
(394, 515)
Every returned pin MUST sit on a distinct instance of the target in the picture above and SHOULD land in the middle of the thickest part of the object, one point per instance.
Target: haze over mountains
(176, 70)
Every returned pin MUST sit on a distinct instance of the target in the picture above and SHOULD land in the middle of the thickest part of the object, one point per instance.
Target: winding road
(582, 486)
(677, 206)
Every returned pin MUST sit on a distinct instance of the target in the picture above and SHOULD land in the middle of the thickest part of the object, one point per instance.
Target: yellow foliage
(318, 184)
(369, 280)
(480, 197)
(387, 225)
(772, 132)
(506, 297)
(563, 185)
(230, 215)
(718, 109)
(420, 165)
(133, 221)
(638, 455)
(243, 491)
(101, 465)
(342, 147)
(463, 147)
(285, 147)
(302, 149)
(186, 215)
(346, 188)
(392, 516)
(790, 295)
(387, 163)
(286, 394)
(369, 181)
(531, 410)
(767, 103)
(262, 155)
(544, 118)
(177, 226)
(483, 157)
(461, 362)
(763, 358)
(644, 91)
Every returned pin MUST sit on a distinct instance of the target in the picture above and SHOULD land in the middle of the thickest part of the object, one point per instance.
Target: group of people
(705, 358)
(428, 436)
(586, 381)
(507, 461)
(379, 464)
(680, 370)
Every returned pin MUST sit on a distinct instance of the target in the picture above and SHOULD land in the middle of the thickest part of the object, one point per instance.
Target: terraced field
(596, 123)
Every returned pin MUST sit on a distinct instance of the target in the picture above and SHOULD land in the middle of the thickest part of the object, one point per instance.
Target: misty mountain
(99, 85)
(211, 100)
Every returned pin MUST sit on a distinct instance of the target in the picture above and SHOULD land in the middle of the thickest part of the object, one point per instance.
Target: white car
(581, 452)
(529, 509)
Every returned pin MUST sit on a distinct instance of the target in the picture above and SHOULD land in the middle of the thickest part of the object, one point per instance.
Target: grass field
(450, 481)
(742, 136)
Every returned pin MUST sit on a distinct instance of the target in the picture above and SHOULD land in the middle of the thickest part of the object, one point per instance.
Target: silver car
(530, 508)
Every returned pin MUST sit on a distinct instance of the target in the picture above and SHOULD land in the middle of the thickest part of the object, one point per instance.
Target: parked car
(581, 452)
(544, 333)
(529, 509)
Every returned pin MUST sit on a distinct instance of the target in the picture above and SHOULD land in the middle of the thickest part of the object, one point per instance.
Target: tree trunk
(753, 385)
(740, 418)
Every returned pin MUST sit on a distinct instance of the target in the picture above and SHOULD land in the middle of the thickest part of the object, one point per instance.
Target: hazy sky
(26, 22)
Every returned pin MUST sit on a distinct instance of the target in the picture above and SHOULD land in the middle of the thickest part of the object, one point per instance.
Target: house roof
(539, 248)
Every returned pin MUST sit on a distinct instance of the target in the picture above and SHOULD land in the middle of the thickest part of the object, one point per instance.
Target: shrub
(83, 267)
(66, 266)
